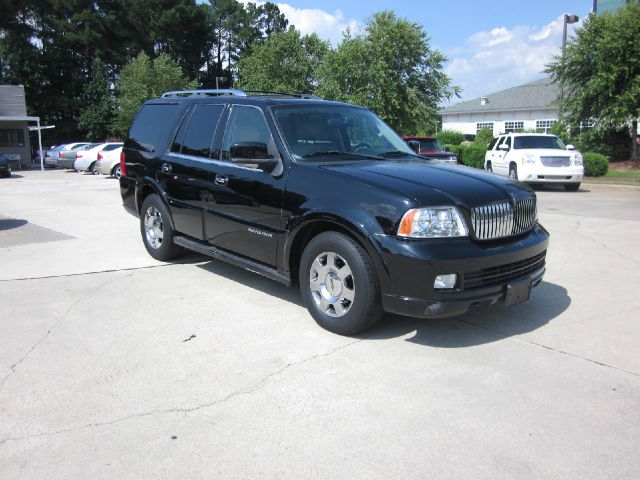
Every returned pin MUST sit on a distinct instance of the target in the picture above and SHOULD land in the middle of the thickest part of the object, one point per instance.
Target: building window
(11, 137)
(513, 126)
(484, 126)
(587, 124)
(543, 126)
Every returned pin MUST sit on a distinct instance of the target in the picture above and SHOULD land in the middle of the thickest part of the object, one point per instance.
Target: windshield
(522, 142)
(430, 144)
(337, 130)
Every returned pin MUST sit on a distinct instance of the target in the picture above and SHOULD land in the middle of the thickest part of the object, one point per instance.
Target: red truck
(429, 147)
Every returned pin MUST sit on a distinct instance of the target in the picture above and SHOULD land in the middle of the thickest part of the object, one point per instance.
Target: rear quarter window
(152, 127)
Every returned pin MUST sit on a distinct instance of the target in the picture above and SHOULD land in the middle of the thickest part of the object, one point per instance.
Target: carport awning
(27, 118)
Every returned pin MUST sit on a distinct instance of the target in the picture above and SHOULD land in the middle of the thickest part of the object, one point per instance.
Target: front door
(245, 216)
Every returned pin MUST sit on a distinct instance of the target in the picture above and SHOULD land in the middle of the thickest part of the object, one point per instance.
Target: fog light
(445, 281)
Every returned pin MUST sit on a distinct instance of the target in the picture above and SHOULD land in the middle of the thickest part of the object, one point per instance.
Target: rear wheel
(116, 172)
(93, 169)
(513, 171)
(338, 284)
(571, 187)
(156, 230)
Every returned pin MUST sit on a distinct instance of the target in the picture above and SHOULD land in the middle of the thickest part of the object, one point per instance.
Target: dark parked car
(326, 195)
(5, 166)
(429, 147)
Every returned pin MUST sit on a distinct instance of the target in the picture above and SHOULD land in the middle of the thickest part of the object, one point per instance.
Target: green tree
(391, 69)
(286, 62)
(142, 79)
(97, 116)
(600, 72)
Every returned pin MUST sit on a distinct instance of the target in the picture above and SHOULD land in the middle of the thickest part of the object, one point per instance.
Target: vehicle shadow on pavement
(253, 280)
(478, 327)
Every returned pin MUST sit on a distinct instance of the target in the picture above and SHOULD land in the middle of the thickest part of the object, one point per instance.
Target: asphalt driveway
(113, 365)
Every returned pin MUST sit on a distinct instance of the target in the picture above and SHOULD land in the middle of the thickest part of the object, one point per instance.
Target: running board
(236, 260)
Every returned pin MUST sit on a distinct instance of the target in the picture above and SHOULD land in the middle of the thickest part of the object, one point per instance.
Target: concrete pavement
(113, 365)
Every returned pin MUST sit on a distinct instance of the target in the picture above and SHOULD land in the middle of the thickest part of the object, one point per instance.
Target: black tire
(489, 167)
(165, 249)
(571, 187)
(513, 171)
(115, 172)
(5, 174)
(365, 309)
(92, 169)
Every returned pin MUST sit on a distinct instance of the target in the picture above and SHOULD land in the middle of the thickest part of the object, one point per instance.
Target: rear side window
(108, 148)
(152, 126)
(199, 133)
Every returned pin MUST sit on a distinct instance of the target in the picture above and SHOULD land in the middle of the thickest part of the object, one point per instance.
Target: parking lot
(113, 365)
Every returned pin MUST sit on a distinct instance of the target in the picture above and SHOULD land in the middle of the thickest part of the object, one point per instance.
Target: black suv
(325, 194)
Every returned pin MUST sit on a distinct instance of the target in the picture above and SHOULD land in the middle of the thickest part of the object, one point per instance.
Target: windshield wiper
(397, 153)
(337, 153)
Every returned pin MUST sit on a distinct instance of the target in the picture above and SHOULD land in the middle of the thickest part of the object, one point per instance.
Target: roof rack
(232, 92)
(205, 93)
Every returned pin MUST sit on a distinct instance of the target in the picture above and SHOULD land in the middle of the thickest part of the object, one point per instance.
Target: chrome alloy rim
(332, 284)
(118, 173)
(153, 230)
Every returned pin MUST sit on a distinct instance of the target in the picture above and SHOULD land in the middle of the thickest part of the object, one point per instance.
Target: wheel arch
(318, 223)
(146, 187)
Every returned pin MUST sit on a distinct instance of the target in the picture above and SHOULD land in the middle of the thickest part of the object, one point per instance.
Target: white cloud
(503, 57)
(328, 26)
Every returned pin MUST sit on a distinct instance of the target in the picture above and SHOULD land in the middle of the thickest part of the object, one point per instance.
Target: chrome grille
(556, 161)
(499, 220)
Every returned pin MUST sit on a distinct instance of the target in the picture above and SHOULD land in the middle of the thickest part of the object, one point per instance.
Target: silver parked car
(60, 152)
(86, 159)
(109, 161)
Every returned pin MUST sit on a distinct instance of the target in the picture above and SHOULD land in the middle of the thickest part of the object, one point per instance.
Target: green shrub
(471, 156)
(483, 138)
(474, 156)
(613, 143)
(450, 137)
(595, 164)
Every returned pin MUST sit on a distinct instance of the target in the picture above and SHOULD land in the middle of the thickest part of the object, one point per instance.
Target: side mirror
(252, 153)
(570, 147)
(504, 147)
(414, 145)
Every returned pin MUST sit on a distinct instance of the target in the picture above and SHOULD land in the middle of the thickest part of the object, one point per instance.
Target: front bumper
(412, 265)
(551, 174)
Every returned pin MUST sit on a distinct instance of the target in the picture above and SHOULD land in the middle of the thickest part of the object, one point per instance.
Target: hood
(431, 184)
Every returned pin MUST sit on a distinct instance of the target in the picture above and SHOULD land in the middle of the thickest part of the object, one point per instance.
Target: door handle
(221, 179)
(166, 168)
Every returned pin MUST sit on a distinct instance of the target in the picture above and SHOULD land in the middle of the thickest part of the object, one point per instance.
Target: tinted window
(491, 145)
(247, 124)
(508, 142)
(176, 146)
(538, 142)
(202, 126)
(108, 148)
(152, 126)
(431, 144)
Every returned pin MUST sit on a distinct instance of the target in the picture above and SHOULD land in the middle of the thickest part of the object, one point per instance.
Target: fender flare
(153, 184)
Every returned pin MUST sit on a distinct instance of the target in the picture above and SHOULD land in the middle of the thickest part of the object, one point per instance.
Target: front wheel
(156, 230)
(338, 284)
(513, 171)
(571, 187)
(489, 167)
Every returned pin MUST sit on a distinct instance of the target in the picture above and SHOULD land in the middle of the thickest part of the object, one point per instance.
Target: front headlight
(438, 222)
(528, 159)
(577, 159)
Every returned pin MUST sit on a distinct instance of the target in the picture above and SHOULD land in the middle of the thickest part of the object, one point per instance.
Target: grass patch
(623, 174)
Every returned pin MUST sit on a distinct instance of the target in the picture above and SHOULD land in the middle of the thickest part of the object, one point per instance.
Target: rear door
(185, 169)
(245, 214)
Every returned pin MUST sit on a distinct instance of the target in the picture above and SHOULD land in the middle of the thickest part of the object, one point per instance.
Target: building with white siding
(526, 107)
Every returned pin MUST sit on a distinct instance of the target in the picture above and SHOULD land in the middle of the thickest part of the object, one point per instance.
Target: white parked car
(109, 161)
(535, 158)
(86, 160)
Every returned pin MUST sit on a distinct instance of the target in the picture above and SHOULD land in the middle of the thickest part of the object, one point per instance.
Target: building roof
(538, 94)
(12, 101)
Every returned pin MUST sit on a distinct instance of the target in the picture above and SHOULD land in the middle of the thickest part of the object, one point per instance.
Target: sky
(490, 45)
